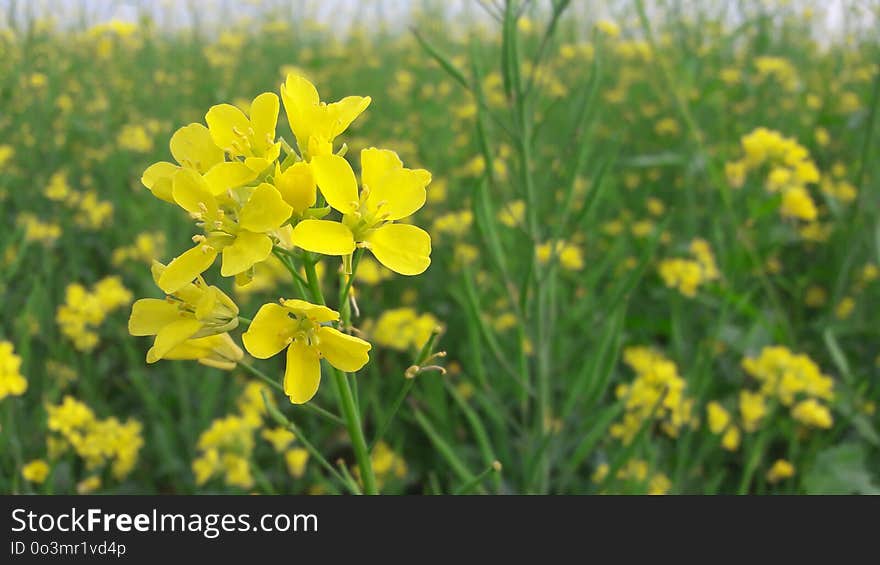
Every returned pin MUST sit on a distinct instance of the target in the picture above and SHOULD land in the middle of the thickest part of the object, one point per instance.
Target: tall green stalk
(346, 397)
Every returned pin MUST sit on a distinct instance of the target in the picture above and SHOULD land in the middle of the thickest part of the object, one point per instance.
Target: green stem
(355, 430)
(346, 399)
(493, 469)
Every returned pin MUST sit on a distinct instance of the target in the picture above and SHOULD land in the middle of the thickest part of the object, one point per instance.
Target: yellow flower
(568, 254)
(35, 471)
(512, 214)
(195, 310)
(736, 172)
(297, 325)
(387, 463)
(731, 438)
(845, 308)
(812, 413)
(280, 438)
(250, 138)
(97, 442)
(225, 448)
(609, 28)
(797, 203)
(403, 329)
(718, 417)
(600, 473)
(240, 224)
(780, 471)
(84, 310)
(193, 148)
(12, 383)
(659, 484)
(296, 460)
(683, 274)
(389, 192)
(314, 123)
(786, 375)
(218, 351)
(658, 392)
(752, 409)
(297, 187)
(88, 485)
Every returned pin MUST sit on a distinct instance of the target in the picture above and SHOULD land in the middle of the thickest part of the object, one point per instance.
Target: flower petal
(323, 236)
(150, 315)
(186, 267)
(336, 181)
(403, 248)
(222, 119)
(191, 193)
(376, 163)
(247, 250)
(265, 210)
(158, 177)
(230, 174)
(193, 147)
(305, 309)
(264, 117)
(259, 164)
(346, 111)
(297, 186)
(269, 331)
(399, 193)
(303, 372)
(171, 336)
(345, 352)
(298, 94)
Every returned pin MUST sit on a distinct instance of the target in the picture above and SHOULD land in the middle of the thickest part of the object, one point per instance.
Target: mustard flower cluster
(226, 448)
(788, 170)
(778, 69)
(87, 209)
(387, 464)
(657, 393)
(796, 381)
(101, 444)
(249, 203)
(190, 323)
(687, 275)
(403, 329)
(792, 380)
(12, 382)
(84, 310)
(568, 254)
(636, 471)
(147, 246)
(36, 471)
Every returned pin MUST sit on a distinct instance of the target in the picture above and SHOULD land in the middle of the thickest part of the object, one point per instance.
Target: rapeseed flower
(316, 124)
(251, 139)
(240, 224)
(12, 383)
(36, 471)
(297, 325)
(389, 192)
(195, 310)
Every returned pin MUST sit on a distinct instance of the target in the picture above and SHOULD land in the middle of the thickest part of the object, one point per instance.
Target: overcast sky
(219, 13)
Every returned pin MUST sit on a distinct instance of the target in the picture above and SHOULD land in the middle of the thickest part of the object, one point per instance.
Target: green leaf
(841, 470)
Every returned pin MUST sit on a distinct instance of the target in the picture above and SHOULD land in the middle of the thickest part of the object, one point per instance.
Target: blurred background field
(655, 248)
